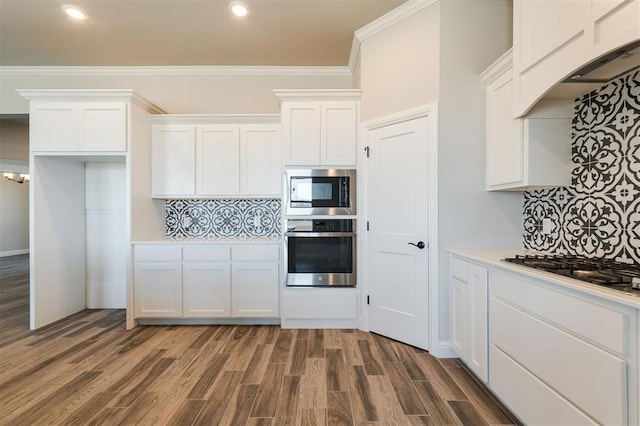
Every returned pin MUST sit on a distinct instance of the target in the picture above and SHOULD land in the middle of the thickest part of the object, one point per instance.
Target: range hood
(610, 66)
(597, 73)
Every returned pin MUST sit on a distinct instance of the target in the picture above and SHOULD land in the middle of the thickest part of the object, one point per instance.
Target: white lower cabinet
(468, 314)
(560, 357)
(206, 281)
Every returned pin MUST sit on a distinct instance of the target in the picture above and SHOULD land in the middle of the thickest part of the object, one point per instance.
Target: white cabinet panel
(301, 133)
(79, 126)
(524, 153)
(218, 160)
(261, 157)
(477, 335)
(158, 289)
(103, 126)
(53, 126)
(320, 304)
(206, 289)
(339, 133)
(458, 316)
(173, 160)
(568, 367)
(518, 388)
(255, 289)
(319, 127)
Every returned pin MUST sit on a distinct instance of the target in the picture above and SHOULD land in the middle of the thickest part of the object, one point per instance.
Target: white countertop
(493, 257)
(213, 240)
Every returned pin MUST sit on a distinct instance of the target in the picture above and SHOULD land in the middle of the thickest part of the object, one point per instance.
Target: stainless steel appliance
(321, 252)
(604, 272)
(320, 192)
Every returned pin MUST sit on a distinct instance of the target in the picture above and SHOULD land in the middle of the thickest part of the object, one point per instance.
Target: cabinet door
(53, 126)
(477, 335)
(339, 133)
(505, 141)
(261, 157)
(458, 316)
(158, 289)
(301, 133)
(103, 126)
(218, 160)
(206, 289)
(255, 289)
(173, 160)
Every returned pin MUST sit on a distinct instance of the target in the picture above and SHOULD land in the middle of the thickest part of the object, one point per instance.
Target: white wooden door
(173, 153)
(103, 126)
(53, 126)
(339, 133)
(477, 332)
(255, 289)
(301, 133)
(458, 316)
(206, 288)
(261, 160)
(218, 160)
(397, 209)
(158, 289)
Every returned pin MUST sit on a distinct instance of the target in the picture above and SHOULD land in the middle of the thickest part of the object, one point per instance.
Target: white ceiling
(184, 32)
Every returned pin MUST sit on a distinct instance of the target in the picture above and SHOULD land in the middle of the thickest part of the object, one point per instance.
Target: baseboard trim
(443, 350)
(13, 252)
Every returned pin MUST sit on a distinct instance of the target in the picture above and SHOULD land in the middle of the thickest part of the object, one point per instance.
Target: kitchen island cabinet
(571, 347)
(216, 156)
(319, 127)
(206, 281)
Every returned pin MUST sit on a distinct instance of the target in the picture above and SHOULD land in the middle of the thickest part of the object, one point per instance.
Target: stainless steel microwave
(320, 192)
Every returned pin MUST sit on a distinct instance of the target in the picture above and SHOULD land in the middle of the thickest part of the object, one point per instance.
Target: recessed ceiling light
(74, 12)
(239, 8)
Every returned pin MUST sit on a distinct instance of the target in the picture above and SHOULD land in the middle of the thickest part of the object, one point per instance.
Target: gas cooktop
(620, 276)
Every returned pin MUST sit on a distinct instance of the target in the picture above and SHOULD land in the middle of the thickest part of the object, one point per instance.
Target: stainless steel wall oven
(321, 252)
(320, 192)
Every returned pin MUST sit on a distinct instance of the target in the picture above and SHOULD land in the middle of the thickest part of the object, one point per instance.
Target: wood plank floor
(87, 370)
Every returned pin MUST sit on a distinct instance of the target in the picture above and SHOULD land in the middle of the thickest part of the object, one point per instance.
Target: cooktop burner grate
(605, 272)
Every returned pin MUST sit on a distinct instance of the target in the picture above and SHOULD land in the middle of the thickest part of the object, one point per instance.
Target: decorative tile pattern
(223, 218)
(599, 214)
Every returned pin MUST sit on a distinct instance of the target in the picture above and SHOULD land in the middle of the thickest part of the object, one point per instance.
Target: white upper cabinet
(319, 127)
(216, 160)
(553, 38)
(79, 121)
(524, 153)
(173, 158)
(261, 160)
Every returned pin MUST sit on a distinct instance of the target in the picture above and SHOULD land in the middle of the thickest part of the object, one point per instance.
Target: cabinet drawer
(458, 269)
(597, 323)
(562, 361)
(518, 388)
(206, 253)
(157, 253)
(256, 252)
(326, 305)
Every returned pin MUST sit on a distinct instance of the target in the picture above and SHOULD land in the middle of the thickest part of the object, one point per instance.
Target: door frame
(430, 111)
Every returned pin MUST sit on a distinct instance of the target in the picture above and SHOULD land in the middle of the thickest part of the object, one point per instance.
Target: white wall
(437, 55)
(14, 197)
(179, 93)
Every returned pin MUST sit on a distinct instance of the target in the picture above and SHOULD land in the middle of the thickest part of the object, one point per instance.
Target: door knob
(420, 245)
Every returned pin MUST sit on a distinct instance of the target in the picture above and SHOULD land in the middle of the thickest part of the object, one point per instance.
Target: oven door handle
(319, 234)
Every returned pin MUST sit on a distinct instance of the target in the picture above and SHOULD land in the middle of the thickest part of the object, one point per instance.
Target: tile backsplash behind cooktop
(599, 214)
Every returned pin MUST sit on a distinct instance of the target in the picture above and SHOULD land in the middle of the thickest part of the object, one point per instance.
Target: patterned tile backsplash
(599, 214)
(222, 218)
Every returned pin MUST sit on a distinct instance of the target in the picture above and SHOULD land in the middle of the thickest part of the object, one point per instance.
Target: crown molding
(398, 14)
(495, 70)
(109, 95)
(215, 119)
(318, 95)
(336, 71)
